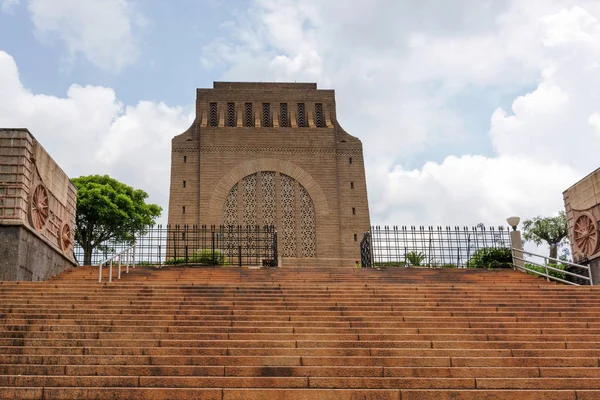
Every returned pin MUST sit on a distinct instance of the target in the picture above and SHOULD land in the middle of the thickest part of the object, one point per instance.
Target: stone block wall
(37, 210)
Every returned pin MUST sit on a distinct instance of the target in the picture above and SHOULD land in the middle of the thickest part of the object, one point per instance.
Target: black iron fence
(196, 244)
(475, 247)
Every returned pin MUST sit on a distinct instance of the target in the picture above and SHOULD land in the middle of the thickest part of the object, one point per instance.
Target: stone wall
(232, 138)
(37, 210)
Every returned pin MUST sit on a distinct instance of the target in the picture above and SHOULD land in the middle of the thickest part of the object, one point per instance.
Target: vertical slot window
(184, 159)
(353, 211)
(183, 209)
(355, 237)
(184, 184)
(248, 119)
(301, 116)
(266, 114)
(283, 115)
(351, 185)
(230, 114)
(319, 121)
(350, 160)
(213, 117)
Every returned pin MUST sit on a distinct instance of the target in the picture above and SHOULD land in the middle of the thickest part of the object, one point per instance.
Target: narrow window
(350, 160)
(319, 121)
(283, 115)
(266, 115)
(183, 210)
(184, 184)
(353, 211)
(248, 119)
(183, 235)
(301, 116)
(351, 185)
(231, 114)
(355, 237)
(213, 117)
(184, 159)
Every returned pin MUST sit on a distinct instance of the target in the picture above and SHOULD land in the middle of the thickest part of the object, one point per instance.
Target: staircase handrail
(130, 255)
(547, 267)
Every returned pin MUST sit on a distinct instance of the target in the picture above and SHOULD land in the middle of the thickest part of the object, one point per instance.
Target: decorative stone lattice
(249, 186)
(288, 217)
(268, 203)
(249, 201)
(266, 115)
(283, 115)
(231, 114)
(230, 218)
(307, 223)
(319, 121)
(213, 117)
(230, 209)
(248, 118)
(301, 116)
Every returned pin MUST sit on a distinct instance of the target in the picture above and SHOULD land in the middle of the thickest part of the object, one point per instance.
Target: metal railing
(550, 270)
(450, 247)
(195, 245)
(129, 255)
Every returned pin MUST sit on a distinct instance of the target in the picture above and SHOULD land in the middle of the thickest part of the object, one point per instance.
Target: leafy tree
(109, 210)
(552, 230)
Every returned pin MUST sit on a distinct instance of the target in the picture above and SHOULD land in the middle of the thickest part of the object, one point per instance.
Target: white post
(100, 273)
(128, 261)
(119, 273)
(133, 262)
(110, 271)
(517, 244)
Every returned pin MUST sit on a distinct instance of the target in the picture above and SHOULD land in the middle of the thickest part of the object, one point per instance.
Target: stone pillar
(517, 243)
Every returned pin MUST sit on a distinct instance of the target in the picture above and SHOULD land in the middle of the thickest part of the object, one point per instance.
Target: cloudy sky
(469, 110)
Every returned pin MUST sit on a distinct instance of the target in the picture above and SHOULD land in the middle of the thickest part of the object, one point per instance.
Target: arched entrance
(274, 198)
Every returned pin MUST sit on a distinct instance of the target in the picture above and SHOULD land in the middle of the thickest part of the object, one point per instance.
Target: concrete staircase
(185, 333)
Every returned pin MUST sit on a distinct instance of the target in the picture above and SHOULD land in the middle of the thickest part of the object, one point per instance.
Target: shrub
(414, 259)
(390, 264)
(491, 257)
(448, 265)
(204, 257)
(556, 274)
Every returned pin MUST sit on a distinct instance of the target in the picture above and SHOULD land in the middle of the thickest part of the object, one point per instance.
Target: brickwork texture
(253, 145)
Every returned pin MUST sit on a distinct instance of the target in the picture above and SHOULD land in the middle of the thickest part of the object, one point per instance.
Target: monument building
(273, 154)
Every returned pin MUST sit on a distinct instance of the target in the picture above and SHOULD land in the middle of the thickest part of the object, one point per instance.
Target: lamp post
(516, 243)
(514, 222)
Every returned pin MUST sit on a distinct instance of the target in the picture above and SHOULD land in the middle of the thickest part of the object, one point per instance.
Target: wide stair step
(229, 333)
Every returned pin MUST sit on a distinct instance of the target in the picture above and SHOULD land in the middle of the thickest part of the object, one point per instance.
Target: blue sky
(466, 110)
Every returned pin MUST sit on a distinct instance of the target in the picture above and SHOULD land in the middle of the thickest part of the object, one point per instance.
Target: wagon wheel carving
(39, 207)
(585, 234)
(65, 238)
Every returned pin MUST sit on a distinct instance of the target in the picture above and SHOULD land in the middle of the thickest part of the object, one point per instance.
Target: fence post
(133, 258)
(212, 259)
(100, 273)
(110, 271)
(119, 273)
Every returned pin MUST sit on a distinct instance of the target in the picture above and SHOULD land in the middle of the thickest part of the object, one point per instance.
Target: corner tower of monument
(273, 154)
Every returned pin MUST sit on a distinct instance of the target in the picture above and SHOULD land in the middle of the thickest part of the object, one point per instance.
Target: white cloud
(398, 70)
(7, 5)
(89, 131)
(100, 30)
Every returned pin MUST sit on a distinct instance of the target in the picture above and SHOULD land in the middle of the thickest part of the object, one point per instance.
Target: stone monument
(37, 210)
(273, 154)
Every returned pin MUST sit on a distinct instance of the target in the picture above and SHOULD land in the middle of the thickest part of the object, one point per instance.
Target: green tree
(551, 230)
(109, 210)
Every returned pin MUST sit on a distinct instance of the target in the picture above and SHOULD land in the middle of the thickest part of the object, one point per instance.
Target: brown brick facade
(281, 149)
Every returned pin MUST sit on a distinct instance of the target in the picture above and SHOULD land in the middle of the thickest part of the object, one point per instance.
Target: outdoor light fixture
(513, 221)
